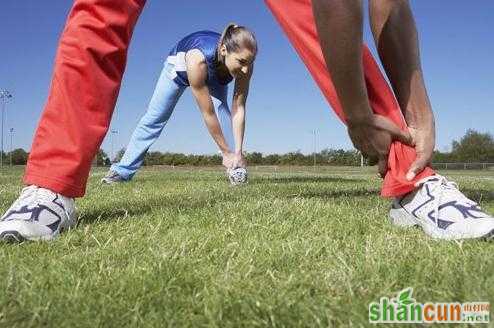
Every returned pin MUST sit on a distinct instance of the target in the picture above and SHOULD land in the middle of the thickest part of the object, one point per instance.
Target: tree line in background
(473, 147)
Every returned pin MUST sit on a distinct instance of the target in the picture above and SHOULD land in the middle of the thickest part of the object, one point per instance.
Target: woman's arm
(238, 115)
(197, 75)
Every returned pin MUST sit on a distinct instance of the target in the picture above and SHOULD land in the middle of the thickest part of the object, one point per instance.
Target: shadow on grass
(174, 177)
(475, 195)
(125, 208)
(182, 203)
(219, 176)
(336, 194)
(304, 179)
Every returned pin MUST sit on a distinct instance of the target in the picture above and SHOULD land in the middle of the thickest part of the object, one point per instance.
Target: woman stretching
(207, 62)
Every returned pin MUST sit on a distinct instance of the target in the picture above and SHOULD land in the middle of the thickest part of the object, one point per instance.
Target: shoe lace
(440, 185)
(34, 195)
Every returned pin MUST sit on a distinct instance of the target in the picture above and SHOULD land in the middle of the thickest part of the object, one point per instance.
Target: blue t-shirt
(207, 43)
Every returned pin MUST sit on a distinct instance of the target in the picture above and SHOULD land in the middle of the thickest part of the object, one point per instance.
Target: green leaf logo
(405, 296)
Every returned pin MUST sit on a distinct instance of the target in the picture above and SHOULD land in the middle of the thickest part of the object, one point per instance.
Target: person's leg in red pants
(297, 20)
(89, 66)
(428, 200)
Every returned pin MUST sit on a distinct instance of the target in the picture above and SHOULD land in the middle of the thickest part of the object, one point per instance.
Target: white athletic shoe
(237, 176)
(38, 214)
(442, 211)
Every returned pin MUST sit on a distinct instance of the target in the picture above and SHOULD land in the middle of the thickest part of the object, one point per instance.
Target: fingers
(228, 161)
(396, 133)
(404, 137)
(238, 161)
(418, 166)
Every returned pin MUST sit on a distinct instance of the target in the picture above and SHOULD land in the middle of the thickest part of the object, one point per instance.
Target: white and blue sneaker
(237, 176)
(442, 211)
(38, 214)
(113, 177)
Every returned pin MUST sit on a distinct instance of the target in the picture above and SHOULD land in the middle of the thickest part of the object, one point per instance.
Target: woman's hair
(236, 37)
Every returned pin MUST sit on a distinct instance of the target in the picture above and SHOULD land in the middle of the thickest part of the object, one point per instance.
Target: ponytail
(235, 37)
(227, 29)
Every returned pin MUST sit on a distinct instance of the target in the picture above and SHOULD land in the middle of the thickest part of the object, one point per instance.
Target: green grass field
(182, 248)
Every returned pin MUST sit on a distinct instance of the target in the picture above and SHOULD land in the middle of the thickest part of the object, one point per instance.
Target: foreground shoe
(442, 211)
(38, 214)
(112, 177)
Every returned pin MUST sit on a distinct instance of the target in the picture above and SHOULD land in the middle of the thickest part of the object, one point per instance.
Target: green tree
(271, 159)
(154, 158)
(474, 147)
(254, 158)
(19, 157)
(102, 158)
(119, 155)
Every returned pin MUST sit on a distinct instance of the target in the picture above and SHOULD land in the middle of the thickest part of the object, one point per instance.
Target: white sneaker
(442, 211)
(38, 214)
(237, 176)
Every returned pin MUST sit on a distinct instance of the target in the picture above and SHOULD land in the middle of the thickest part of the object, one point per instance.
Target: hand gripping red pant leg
(296, 19)
(89, 66)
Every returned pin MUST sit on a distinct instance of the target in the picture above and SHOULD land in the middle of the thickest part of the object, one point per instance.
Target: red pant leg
(89, 66)
(296, 19)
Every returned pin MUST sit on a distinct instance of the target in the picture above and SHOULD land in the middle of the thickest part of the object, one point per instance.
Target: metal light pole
(315, 148)
(4, 95)
(11, 144)
(112, 159)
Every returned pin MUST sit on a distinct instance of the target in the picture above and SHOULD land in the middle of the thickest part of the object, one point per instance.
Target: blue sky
(284, 105)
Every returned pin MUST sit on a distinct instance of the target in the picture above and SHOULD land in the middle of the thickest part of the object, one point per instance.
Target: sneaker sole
(489, 236)
(12, 237)
(109, 182)
(401, 218)
(19, 232)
